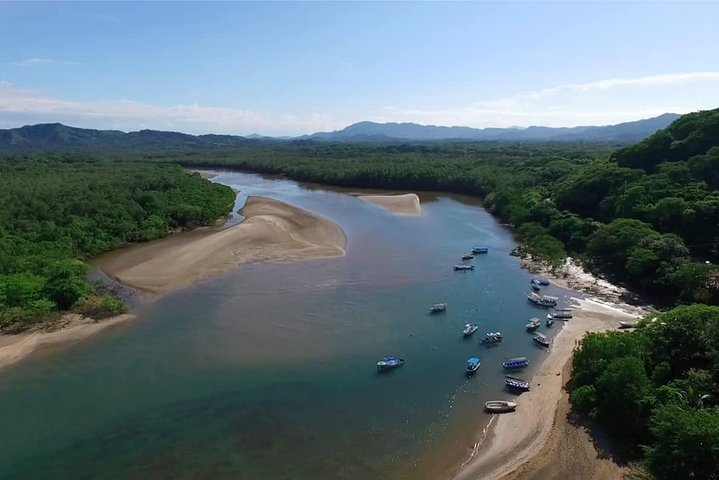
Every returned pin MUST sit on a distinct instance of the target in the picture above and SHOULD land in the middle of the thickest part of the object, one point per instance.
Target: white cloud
(594, 103)
(28, 106)
(36, 62)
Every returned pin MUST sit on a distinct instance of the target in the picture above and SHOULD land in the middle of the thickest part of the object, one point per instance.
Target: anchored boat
(389, 362)
(492, 337)
(472, 365)
(514, 383)
(468, 256)
(500, 406)
(464, 267)
(469, 329)
(518, 362)
(438, 307)
(533, 324)
(543, 340)
(542, 300)
(480, 250)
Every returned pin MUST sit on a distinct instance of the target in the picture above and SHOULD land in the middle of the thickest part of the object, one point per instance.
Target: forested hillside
(652, 227)
(59, 209)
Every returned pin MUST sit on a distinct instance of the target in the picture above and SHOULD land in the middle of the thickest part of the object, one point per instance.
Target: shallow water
(268, 372)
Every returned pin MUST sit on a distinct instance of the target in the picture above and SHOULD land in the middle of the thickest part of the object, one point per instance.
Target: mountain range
(52, 136)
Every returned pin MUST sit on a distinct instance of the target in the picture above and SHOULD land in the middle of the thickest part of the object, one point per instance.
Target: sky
(277, 68)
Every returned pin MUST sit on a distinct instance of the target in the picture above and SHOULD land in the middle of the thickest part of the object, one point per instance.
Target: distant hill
(56, 136)
(372, 132)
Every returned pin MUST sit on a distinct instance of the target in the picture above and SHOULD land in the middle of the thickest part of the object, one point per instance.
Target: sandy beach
(273, 231)
(537, 441)
(404, 204)
(72, 328)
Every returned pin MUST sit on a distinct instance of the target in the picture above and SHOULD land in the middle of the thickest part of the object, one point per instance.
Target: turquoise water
(268, 371)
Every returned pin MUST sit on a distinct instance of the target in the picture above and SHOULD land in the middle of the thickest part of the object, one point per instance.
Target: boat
(492, 337)
(389, 362)
(542, 300)
(468, 256)
(550, 320)
(515, 252)
(541, 339)
(463, 267)
(438, 307)
(515, 383)
(542, 281)
(472, 365)
(533, 324)
(562, 313)
(627, 324)
(536, 287)
(500, 406)
(480, 250)
(469, 329)
(518, 362)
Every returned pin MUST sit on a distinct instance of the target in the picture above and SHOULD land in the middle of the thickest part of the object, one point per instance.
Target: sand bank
(72, 328)
(516, 440)
(404, 204)
(273, 231)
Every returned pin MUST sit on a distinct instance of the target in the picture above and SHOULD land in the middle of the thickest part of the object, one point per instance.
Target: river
(268, 372)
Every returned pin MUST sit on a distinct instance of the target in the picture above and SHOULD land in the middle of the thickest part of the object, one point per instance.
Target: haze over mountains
(59, 136)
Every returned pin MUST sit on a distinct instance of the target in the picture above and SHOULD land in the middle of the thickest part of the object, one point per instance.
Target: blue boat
(514, 383)
(480, 250)
(542, 281)
(389, 362)
(518, 362)
(472, 365)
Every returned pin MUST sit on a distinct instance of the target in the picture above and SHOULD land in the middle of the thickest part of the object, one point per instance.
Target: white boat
(627, 324)
(464, 267)
(469, 329)
(550, 320)
(562, 313)
(438, 307)
(500, 406)
(542, 300)
(492, 337)
(389, 362)
(468, 256)
(532, 325)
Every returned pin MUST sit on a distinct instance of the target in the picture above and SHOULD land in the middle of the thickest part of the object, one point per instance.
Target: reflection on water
(268, 371)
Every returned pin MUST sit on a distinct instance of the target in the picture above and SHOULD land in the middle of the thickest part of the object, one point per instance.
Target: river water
(268, 372)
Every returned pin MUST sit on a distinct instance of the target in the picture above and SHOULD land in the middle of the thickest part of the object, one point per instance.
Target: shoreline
(14, 348)
(273, 231)
(515, 443)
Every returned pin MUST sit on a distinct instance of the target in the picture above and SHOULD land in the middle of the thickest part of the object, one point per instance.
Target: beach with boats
(383, 318)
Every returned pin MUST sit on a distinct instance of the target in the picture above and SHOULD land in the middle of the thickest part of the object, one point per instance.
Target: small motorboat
(469, 329)
(518, 362)
(472, 365)
(627, 324)
(463, 267)
(468, 256)
(438, 307)
(562, 314)
(514, 383)
(532, 325)
(550, 320)
(536, 287)
(480, 250)
(543, 340)
(500, 406)
(389, 362)
(492, 337)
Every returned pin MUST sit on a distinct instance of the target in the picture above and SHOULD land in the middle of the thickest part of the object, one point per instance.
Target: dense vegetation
(58, 210)
(657, 387)
(648, 214)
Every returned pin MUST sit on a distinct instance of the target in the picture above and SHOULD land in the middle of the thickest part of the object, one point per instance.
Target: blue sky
(291, 68)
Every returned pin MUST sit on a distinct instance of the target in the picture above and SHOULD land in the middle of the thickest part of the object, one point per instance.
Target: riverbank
(401, 204)
(71, 328)
(516, 440)
(272, 231)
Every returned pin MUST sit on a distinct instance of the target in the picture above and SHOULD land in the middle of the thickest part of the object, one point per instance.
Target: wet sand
(273, 231)
(73, 328)
(404, 204)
